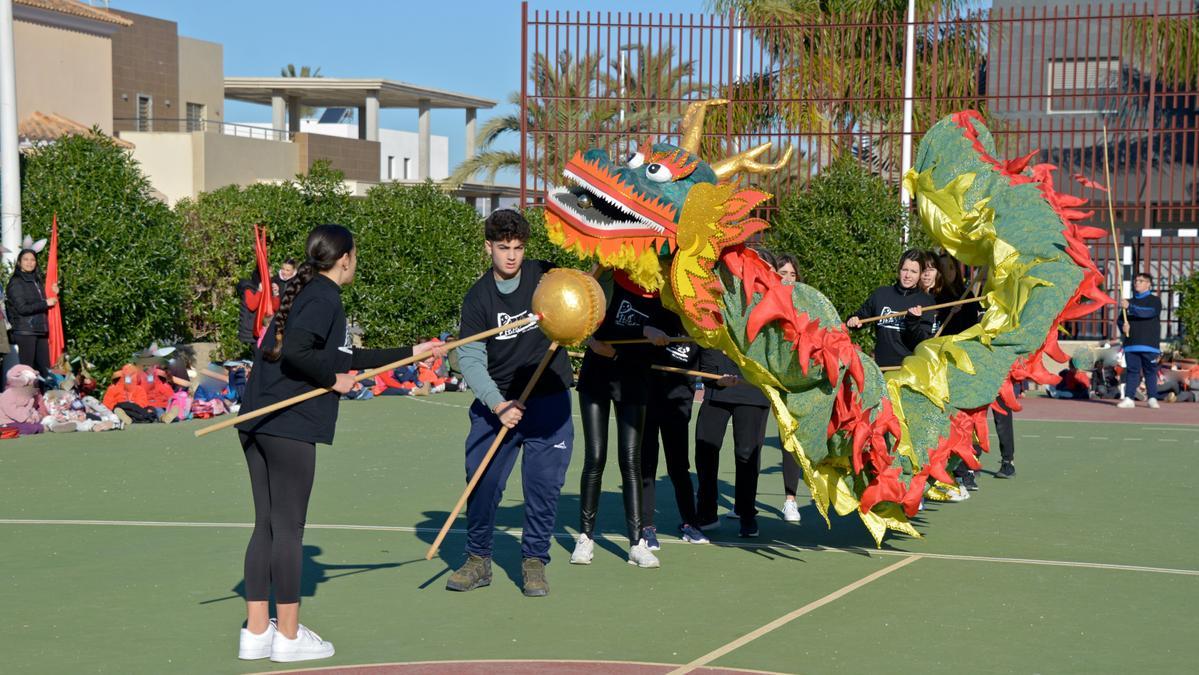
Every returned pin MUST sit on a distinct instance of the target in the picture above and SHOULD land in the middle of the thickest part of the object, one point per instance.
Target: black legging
(749, 432)
(34, 351)
(671, 417)
(629, 420)
(281, 473)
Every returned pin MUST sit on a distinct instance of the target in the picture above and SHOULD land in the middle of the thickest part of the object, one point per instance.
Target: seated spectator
(21, 405)
(158, 391)
(126, 396)
(1075, 382)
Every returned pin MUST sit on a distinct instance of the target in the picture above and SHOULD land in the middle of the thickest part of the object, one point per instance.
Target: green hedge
(845, 231)
(121, 273)
(1188, 313)
(218, 242)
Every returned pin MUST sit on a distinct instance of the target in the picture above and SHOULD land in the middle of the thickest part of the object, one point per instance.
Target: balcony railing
(181, 124)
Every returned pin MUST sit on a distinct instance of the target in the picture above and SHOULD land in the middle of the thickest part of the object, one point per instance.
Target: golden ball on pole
(571, 305)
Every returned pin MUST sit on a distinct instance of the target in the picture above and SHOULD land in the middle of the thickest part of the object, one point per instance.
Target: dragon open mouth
(595, 205)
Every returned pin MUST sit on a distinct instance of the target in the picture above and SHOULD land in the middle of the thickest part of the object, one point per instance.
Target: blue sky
(470, 46)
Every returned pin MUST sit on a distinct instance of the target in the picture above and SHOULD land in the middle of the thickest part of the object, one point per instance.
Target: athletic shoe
(1154, 404)
(584, 551)
(969, 483)
(957, 494)
(749, 528)
(921, 507)
(126, 420)
(474, 573)
(691, 535)
(532, 572)
(732, 515)
(791, 511)
(306, 647)
(1171, 397)
(1126, 403)
(641, 556)
(650, 535)
(62, 427)
(171, 414)
(1006, 470)
(251, 646)
(714, 525)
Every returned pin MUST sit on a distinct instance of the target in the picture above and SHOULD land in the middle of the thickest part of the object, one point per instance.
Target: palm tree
(835, 61)
(580, 104)
(304, 71)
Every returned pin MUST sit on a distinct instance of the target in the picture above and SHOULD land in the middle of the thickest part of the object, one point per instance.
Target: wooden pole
(495, 445)
(1111, 220)
(363, 376)
(645, 341)
(943, 305)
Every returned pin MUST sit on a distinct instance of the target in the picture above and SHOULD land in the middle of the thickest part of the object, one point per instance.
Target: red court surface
(1045, 408)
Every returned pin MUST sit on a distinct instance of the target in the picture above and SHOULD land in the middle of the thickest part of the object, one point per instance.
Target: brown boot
(532, 571)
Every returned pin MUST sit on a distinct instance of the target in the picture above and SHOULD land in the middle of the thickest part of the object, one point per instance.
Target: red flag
(262, 301)
(58, 343)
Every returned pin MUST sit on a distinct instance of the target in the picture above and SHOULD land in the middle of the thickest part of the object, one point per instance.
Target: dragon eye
(634, 160)
(658, 173)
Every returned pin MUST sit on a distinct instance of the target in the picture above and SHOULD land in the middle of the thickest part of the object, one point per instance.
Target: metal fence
(1052, 78)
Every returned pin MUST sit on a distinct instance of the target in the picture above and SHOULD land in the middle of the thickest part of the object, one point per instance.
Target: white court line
(1070, 437)
(516, 532)
(790, 616)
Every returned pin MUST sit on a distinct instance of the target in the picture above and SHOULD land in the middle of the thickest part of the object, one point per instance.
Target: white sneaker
(1154, 404)
(641, 556)
(584, 551)
(1126, 403)
(251, 646)
(306, 647)
(958, 494)
(791, 511)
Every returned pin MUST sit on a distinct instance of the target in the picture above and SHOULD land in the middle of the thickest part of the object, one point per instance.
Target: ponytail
(326, 245)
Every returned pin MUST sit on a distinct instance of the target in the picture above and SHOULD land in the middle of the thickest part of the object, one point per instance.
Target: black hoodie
(895, 338)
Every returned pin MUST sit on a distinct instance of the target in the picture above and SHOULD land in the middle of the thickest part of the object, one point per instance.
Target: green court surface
(122, 552)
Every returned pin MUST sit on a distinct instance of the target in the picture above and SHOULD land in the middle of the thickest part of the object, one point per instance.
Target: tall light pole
(909, 75)
(10, 164)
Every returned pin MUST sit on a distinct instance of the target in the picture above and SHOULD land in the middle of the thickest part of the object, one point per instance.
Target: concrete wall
(358, 160)
(393, 143)
(202, 77)
(231, 160)
(63, 71)
(182, 164)
(168, 161)
(145, 60)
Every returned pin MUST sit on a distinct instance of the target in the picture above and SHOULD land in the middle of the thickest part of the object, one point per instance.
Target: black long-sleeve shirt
(316, 347)
(897, 337)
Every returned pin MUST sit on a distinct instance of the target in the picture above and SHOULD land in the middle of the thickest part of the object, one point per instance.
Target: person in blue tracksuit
(1142, 332)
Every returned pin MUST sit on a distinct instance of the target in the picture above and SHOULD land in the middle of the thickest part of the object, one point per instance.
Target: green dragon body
(869, 443)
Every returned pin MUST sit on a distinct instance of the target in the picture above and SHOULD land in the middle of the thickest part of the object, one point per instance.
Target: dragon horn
(746, 162)
(692, 128)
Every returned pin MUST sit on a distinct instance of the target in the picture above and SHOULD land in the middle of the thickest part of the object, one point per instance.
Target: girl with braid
(307, 346)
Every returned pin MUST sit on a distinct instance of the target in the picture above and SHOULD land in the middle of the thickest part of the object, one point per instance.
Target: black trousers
(1005, 429)
(630, 418)
(34, 351)
(749, 432)
(791, 473)
(281, 473)
(669, 418)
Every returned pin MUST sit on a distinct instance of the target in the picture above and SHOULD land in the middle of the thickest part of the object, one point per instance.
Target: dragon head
(657, 204)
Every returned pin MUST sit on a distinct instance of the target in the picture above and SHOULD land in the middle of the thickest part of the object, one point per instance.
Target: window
(195, 116)
(391, 167)
(145, 113)
(407, 169)
(1077, 86)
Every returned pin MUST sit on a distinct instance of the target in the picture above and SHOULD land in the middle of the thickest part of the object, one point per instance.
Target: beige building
(64, 60)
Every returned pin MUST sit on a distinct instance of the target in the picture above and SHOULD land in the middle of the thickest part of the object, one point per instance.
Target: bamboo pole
(367, 374)
(943, 305)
